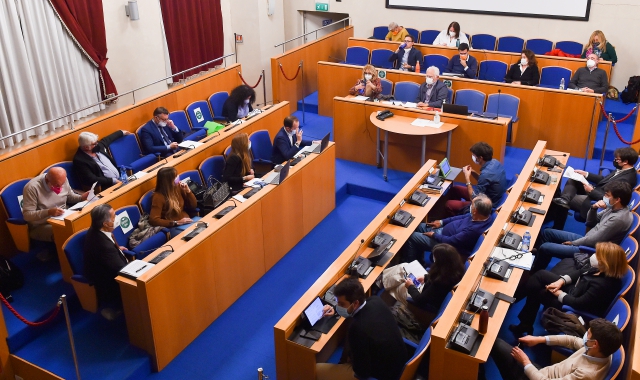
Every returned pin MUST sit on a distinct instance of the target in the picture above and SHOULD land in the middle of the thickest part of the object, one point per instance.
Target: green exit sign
(322, 7)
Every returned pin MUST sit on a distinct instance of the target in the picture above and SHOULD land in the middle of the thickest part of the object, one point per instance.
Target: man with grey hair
(396, 33)
(433, 92)
(103, 259)
(93, 163)
(462, 231)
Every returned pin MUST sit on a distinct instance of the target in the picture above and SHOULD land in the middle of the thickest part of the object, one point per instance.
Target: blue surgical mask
(343, 311)
(607, 202)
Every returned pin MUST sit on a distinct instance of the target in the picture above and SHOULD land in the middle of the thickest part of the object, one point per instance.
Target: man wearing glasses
(406, 57)
(463, 63)
(577, 196)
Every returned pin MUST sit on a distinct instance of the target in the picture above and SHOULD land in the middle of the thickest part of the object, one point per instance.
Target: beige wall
(607, 15)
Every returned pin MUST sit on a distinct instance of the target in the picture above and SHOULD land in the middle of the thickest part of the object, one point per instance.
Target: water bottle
(484, 318)
(123, 176)
(526, 241)
(562, 84)
(436, 118)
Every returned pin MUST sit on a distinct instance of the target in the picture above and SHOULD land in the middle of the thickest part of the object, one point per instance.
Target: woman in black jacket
(239, 102)
(237, 167)
(592, 290)
(526, 71)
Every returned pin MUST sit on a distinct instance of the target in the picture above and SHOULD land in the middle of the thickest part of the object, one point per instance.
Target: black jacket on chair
(102, 262)
(414, 57)
(86, 168)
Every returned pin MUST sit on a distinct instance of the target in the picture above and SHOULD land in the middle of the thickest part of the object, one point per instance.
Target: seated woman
(451, 37)
(599, 46)
(445, 272)
(369, 85)
(526, 72)
(169, 201)
(591, 291)
(239, 102)
(237, 167)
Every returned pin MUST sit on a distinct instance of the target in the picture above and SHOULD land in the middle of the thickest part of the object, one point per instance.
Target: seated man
(590, 78)
(406, 57)
(591, 360)
(93, 163)
(160, 135)
(462, 232)
(103, 259)
(612, 225)
(463, 63)
(288, 141)
(433, 92)
(44, 196)
(373, 345)
(492, 180)
(396, 33)
(577, 196)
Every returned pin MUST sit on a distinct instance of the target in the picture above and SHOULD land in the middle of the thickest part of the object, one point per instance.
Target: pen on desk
(141, 268)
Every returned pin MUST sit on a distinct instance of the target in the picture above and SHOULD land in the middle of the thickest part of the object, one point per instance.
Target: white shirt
(444, 38)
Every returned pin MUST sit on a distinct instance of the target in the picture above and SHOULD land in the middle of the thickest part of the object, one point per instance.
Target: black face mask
(96, 149)
(617, 165)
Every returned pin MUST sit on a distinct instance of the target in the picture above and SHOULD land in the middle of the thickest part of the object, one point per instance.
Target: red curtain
(84, 20)
(194, 33)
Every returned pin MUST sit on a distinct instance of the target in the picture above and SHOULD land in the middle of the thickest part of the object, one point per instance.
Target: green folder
(212, 127)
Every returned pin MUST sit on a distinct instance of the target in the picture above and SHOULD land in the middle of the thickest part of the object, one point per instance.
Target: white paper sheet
(569, 172)
(524, 262)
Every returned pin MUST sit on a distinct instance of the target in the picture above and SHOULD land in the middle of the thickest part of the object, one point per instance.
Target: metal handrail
(313, 31)
(115, 97)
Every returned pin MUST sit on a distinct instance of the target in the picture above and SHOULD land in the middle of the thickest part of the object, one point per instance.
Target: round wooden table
(402, 125)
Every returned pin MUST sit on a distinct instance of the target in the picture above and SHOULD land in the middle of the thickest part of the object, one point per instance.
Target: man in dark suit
(433, 92)
(577, 196)
(374, 343)
(406, 57)
(463, 63)
(160, 135)
(93, 163)
(103, 259)
(287, 141)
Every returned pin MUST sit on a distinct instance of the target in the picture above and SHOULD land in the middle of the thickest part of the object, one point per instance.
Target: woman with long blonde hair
(599, 46)
(169, 201)
(369, 85)
(237, 168)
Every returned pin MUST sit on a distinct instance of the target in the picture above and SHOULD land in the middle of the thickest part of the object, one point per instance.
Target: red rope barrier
(615, 124)
(245, 82)
(285, 75)
(621, 119)
(54, 313)
(615, 128)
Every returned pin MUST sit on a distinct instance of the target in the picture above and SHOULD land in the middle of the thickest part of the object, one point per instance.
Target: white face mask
(591, 63)
(368, 76)
(249, 147)
(452, 34)
(343, 311)
(593, 261)
(585, 340)
(429, 80)
(524, 61)
(246, 101)
(162, 123)
(474, 159)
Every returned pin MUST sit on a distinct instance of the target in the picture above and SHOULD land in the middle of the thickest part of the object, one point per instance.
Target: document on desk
(91, 197)
(409, 105)
(361, 97)
(426, 123)
(135, 268)
(256, 182)
(188, 144)
(569, 172)
(239, 198)
(64, 215)
(523, 262)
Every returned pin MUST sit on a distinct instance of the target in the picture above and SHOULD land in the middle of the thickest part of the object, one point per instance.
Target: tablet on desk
(313, 314)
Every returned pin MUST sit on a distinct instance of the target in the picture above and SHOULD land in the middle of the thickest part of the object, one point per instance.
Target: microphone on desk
(498, 109)
(157, 166)
(85, 205)
(211, 138)
(146, 252)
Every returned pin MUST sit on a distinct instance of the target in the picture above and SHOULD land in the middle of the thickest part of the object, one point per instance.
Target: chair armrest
(219, 118)
(585, 315)
(129, 253)
(80, 278)
(16, 221)
(262, 161)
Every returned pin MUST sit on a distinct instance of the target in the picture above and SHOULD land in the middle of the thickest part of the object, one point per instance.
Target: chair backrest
(442, 307)
(227, 151)
(477, 246)
(634, 224)
(631, 244)
(145, 202)
(484, 41)
(539, 46)
(387, 86)
(635, 201)
(380, 58)
(622, 311)
(406, 91)
(510, 44)
(428, 36)
(199, 113)
(570, 47)
(617, 361)
(412, 365)
(509, 104)
(261, 145)
(357, 55)
(627, 282)
(414, 33)
(134, 218)
(216, 101)
(181, 121)
(125, 150)
(499, 203)
(212, 166)
(437, 60)
(380, 32)
(194, 175)
(9, 196)
(449, 95)
(551, 76)
(74, 251)
(473, 99)
(71, 174)
(492, 70)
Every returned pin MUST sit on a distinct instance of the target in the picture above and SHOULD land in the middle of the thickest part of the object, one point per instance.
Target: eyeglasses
(512, 257)
(408, 41)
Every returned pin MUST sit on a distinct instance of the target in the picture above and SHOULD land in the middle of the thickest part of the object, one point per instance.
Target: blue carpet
(626, 128)
(310, 103)
(314, 126)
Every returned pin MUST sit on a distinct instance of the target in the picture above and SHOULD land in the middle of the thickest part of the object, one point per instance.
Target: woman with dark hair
(525, 72)
(452, 37)
(169, 200)
(237, 168)
(239, 102)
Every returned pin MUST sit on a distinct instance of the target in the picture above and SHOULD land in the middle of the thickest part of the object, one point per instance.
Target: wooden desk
(270, 120)
(402, 125)
(294, 361)
(544, 114)
(449, 364)
(170, 305)
(483, 55)
(355, 133)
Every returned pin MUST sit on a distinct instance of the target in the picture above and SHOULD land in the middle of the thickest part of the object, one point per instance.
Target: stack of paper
(410, 105)
(569, 172)
(426, 123)
(524, 262)
(135, 268)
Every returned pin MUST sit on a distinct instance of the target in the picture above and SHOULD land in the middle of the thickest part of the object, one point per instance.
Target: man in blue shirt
(462, 232)
(463, 63)
(492, 180)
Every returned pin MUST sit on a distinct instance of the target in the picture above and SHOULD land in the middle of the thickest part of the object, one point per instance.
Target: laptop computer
(276, 178)
(455, 108)
(315, 148)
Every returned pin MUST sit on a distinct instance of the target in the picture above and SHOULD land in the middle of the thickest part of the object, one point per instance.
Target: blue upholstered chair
(74, 182)
(570, 47)
(212, 166)
(180, 120)
(510, 44)
(73, 249)
(126, 152)
(148, 245)
(437, 60)
(357, 55)
(551, 76)
(539, 46)
(473, 99)
(494, 71)
(199, 113)
(16, 224)
(428, 36)
(484, 42)
(380, 32)
(216, 101)
(380, 58)
(406, 91)
(387, 86)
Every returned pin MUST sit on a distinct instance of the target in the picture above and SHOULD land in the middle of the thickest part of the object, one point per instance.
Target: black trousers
(578, 200)
(538, 295)
(509, 368)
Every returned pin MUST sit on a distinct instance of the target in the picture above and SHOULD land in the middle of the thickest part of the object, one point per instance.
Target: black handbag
(216, 193)
(197, 189)
(581, 261)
